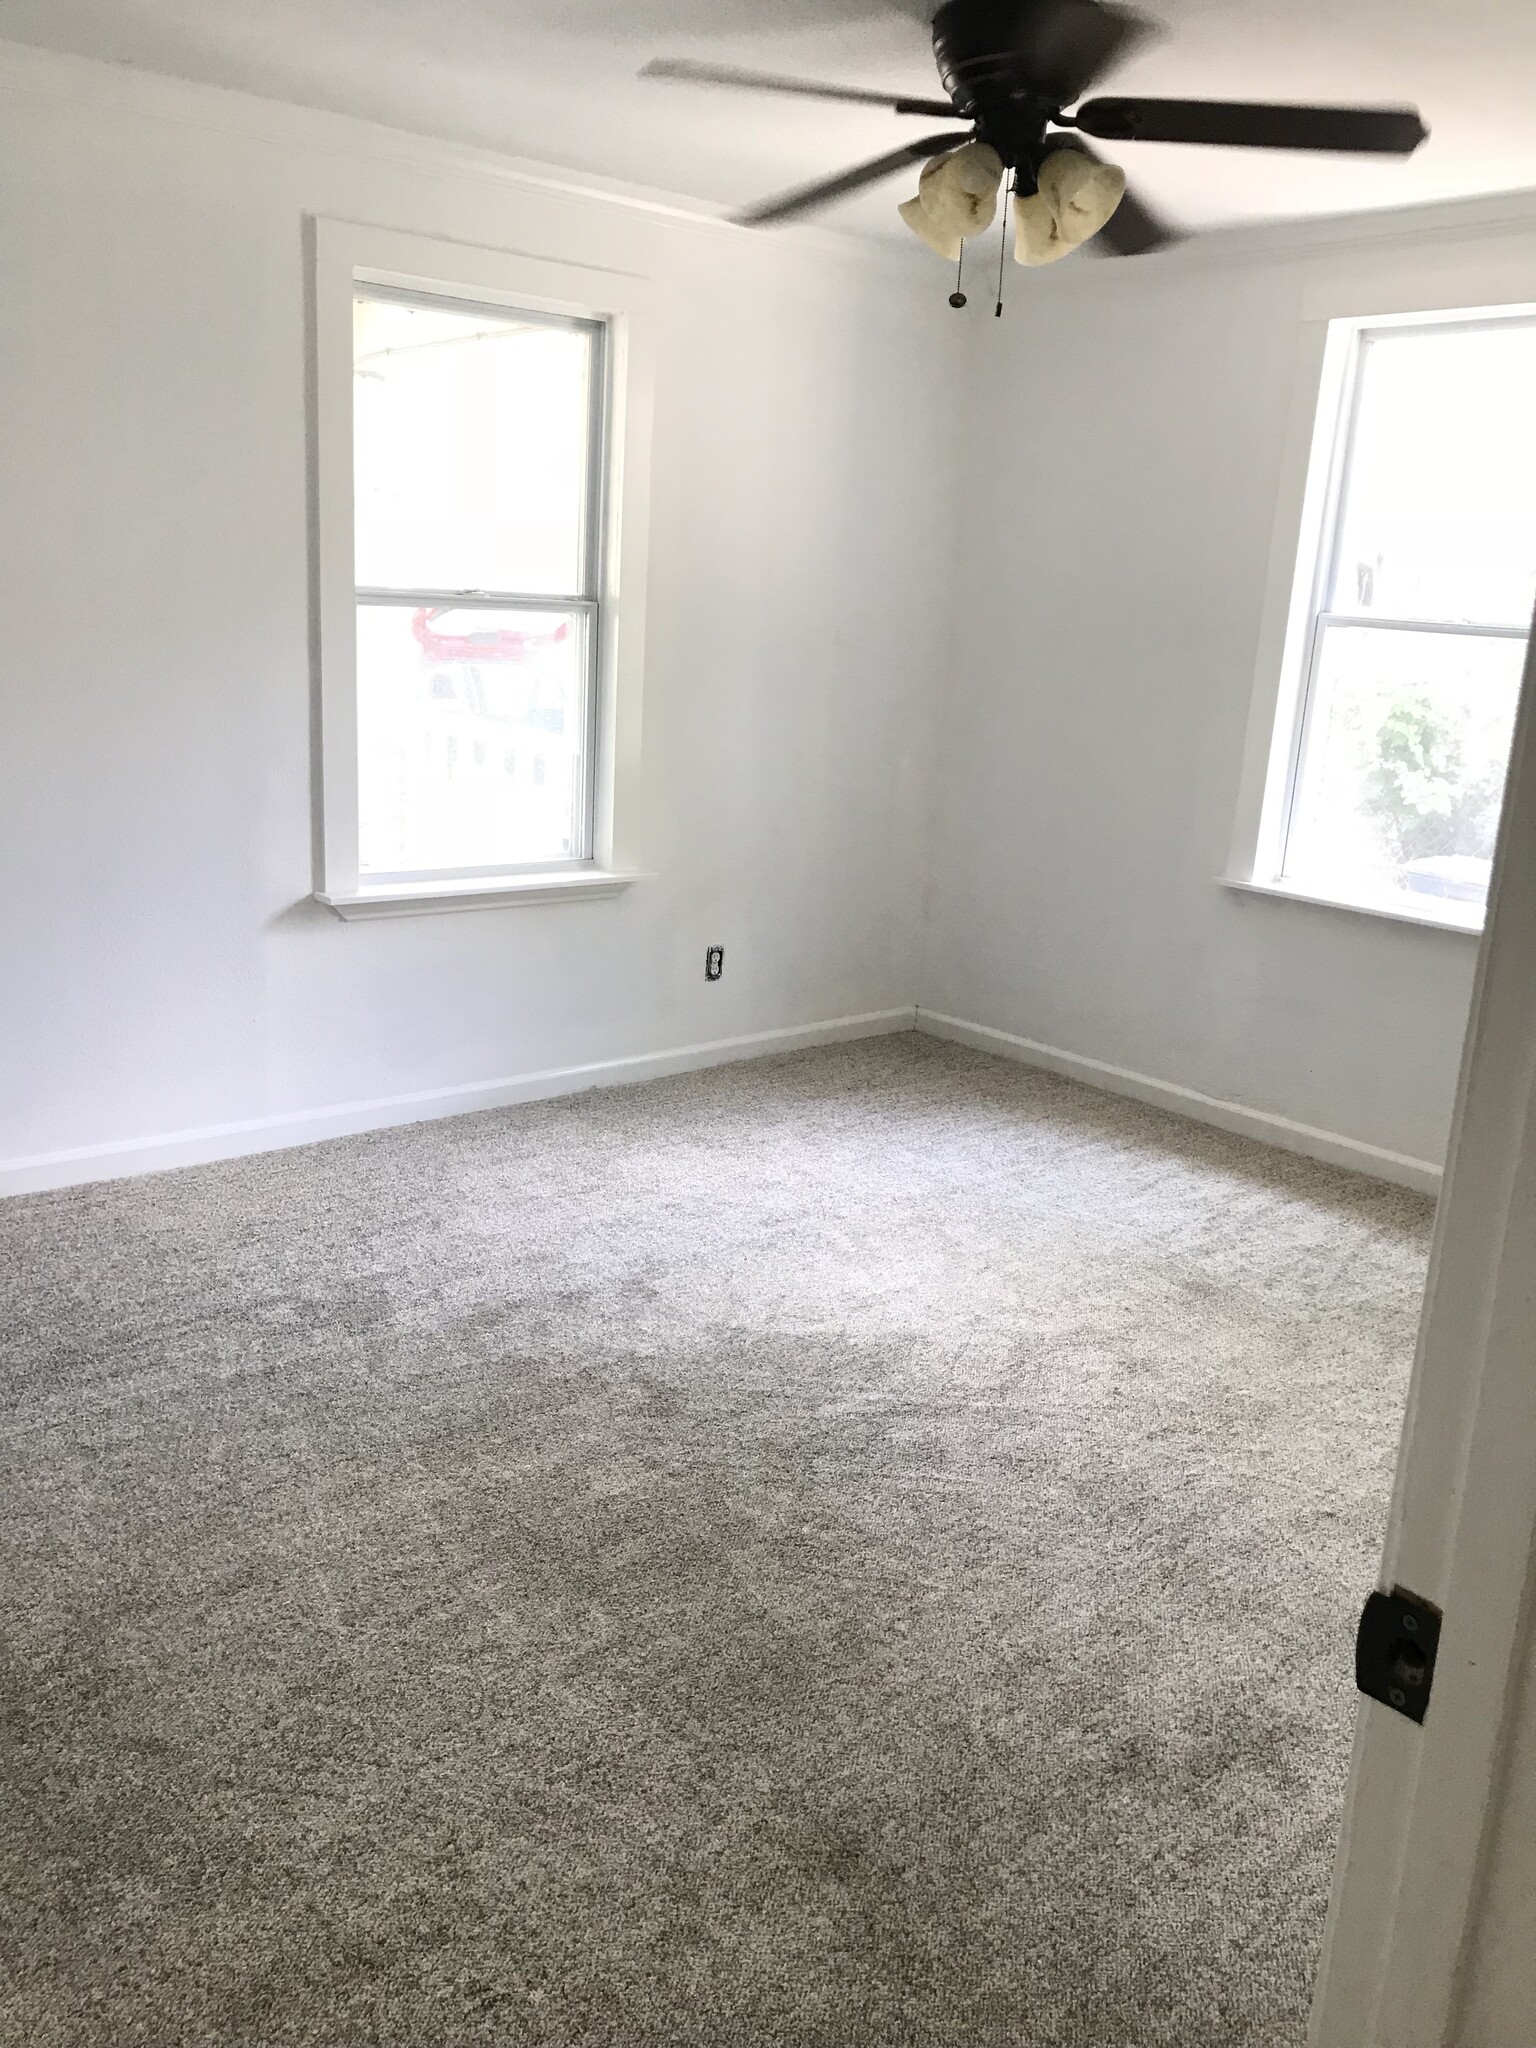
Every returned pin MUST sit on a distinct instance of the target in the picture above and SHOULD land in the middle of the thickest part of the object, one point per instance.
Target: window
(470, 529)
(1413, 600)
(477, 453)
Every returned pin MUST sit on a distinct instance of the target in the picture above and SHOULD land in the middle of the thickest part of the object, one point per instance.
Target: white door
(1402, 1956)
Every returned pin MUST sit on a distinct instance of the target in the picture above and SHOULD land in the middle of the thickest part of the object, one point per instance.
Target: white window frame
(345, 256)
(1302, 555)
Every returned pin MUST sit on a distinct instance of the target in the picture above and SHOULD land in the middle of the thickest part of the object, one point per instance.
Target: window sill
(492, 892)
(1449, 916)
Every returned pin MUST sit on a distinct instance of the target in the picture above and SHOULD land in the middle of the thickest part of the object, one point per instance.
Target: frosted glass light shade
(956, 198)
(1076, 196)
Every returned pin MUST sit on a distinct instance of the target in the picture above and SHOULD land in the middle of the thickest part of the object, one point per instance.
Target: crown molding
(1487, 220)
(41, 73)
(30, 71)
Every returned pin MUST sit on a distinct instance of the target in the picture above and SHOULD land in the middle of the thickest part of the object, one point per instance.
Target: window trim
(1316, 461)
(345, 255)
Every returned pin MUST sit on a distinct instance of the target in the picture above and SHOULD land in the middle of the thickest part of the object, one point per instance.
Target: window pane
(469, 449)
(470, 738)
(1439, 510)
(1402, 770)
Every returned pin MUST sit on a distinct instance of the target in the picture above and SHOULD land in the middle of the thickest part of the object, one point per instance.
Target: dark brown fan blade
(1249, 124)
(1133, 229)
(1057, 48)
(768, 81)
(807, 198)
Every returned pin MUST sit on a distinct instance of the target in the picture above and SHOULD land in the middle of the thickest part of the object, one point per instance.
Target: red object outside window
(507, 643)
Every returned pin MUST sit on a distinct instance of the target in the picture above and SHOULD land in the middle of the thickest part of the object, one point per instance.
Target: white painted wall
(1127, 428)
(164, 968)
(1081, 636)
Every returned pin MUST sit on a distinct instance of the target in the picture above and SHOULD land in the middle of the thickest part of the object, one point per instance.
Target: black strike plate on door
(1395, 1650)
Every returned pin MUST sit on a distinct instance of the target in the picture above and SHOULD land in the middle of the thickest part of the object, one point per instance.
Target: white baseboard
(339, 1120)
(1328, 1146)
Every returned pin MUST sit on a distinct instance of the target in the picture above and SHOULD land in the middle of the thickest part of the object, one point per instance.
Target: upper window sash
(1495, 595)
(477, 555)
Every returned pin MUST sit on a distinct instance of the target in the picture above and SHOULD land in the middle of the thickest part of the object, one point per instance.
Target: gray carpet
(854, 1549)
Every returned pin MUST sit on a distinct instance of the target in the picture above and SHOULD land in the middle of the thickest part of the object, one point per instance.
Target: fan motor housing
(1012, 65)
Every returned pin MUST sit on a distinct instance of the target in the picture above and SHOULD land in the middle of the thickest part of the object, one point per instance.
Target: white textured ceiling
(555, 80)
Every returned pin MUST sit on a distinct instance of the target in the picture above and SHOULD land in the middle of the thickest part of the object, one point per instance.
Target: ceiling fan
(1013, 69)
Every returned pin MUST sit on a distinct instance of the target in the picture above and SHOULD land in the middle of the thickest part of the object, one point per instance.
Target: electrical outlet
(714, 962)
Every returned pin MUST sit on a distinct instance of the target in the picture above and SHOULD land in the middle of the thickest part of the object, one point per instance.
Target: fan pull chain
(957, 297)
(1002, 254)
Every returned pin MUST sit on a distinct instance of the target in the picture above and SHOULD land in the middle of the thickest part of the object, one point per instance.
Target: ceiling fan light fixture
(956, 198)
(1077, 195)
(1015, 74)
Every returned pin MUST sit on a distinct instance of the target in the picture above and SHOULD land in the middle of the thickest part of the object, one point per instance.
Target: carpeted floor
(858, 1549)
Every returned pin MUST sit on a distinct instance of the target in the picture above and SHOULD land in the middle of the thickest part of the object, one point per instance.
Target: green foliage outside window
(1418, 788)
